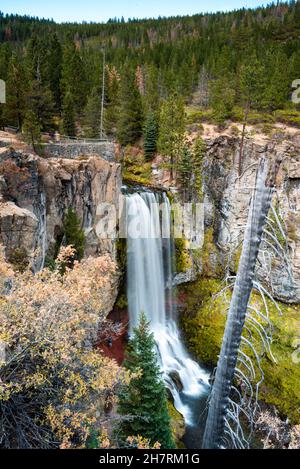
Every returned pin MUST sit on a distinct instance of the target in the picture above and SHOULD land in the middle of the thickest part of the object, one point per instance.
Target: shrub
(288, 116)
(53, 383)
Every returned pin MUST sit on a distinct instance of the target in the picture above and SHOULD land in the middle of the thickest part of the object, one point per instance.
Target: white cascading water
(149, 289)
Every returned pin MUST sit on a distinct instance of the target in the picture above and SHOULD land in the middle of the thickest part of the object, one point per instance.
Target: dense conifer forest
(54, 71)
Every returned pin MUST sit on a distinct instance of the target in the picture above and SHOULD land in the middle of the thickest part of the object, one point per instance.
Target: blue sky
(102, 10)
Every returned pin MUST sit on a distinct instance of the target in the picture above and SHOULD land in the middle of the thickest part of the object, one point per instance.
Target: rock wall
(105, 150)
(227, 199)
(35, 194)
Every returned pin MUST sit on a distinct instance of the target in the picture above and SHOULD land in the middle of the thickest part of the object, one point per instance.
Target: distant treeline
(54, 71)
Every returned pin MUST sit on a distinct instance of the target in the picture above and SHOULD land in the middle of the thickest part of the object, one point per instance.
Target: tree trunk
(247, 109)
(220, 394)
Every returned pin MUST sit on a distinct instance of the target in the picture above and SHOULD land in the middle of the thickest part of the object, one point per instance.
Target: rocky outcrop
(227, 199)
(36, 194)
(18, 227)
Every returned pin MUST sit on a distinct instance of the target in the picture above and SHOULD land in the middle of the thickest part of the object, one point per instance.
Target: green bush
(288, 116)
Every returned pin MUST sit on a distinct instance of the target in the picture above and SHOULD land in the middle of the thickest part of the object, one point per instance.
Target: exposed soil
(115, 346)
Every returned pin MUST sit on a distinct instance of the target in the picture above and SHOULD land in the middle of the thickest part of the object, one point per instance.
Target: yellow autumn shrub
(54, 384)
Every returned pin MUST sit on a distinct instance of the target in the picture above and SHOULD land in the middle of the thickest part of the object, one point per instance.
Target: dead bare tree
(223, 426)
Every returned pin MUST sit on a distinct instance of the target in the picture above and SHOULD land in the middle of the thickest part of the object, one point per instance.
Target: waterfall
(149, 289)
(41, 241)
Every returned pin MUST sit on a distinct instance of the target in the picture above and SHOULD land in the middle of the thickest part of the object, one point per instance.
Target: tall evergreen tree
(16, 88)
(252, 84)
(32, 129)
(222, 95)
(40, 102)
(185, 172)
(68, 116)
(73, 78)
(171, 129)
(150, 135)
(112, 101)
(144, 400)
(130, 116)
(92, 112)
(54, 69)
(152, 98)
(278, 85)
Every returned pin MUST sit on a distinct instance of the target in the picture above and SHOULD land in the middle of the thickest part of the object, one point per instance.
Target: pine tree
(185, 172)
(144, 400)
(40, 101)
(278, 85)
(171, 129)
(152, 98)
(32, 129)
(130, 116)
(112, 102)
(68, 116)
(73, 77)
(222, 96)
(150, 136)
(251, 84)
(92, 112)
(54, 69)
(15, 107)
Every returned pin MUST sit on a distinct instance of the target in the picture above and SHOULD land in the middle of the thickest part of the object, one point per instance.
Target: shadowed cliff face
(227, 199)
(36, 191)
(35, 194)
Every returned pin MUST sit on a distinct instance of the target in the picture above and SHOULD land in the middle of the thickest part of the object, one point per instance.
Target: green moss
(177, 424)
(211, 264)
(122, 301)
(184, 261)
(234, 265)
(281, 386)
(204, 321)
(134, 167)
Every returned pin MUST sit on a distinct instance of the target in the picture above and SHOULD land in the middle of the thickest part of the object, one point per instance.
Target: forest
(54, 71)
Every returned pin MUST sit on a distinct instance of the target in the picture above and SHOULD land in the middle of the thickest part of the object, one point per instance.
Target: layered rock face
(227, 199)
(36, 194)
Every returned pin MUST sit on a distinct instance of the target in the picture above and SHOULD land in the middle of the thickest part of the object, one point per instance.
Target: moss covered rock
(204, 321)
(211, 262)
(183, 257)
(177, 424)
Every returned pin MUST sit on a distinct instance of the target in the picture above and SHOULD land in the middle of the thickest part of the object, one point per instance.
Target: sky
(102, 10)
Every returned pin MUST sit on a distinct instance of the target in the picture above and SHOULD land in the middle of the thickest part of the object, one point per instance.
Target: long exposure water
(149, 289)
